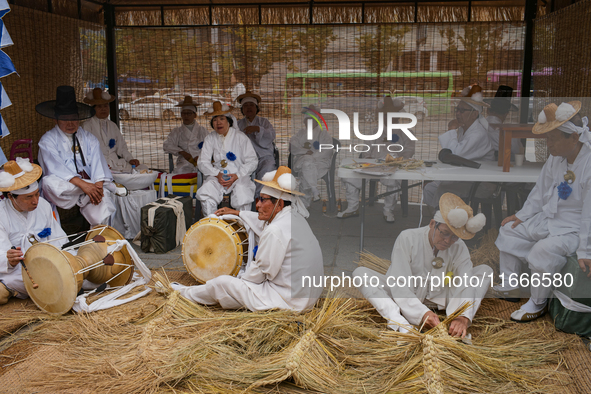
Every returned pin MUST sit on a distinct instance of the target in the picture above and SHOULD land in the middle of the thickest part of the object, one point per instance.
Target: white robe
(353, 186)
(57, 160)
(14, 230)
(215, 150)
(552, 228)
(287, 251)
(474, 144)
(412, 255)
(105, 130)
(310, 168)
(262, 142)
(183, 139)
(494, 124)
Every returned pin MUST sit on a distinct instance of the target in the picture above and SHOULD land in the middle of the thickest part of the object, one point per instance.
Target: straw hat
(459, 217)
(281, 180)
(218, 108)
(188, 100)
(553, 116)
(98, 96)
(473, 95)
(65, 105)
(18, 174)
(249, 94)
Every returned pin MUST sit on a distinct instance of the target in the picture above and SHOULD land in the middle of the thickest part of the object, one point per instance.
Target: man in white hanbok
(308, 161)
(468, 139)
(287, 251)
(76, 172)
(186, 141)
(227, 161)
(555, 221)
(353, 186)
(23, 214)
(414, 286)
(260, 132)
(113, 145)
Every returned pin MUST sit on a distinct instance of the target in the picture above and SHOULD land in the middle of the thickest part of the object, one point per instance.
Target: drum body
(214, 247)
(57, 272)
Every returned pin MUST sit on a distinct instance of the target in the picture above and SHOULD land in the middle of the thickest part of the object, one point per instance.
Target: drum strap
(178, 209)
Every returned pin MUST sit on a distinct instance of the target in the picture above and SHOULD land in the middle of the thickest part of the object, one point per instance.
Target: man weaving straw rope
(287, 251)
(421, 260)
(555, 221)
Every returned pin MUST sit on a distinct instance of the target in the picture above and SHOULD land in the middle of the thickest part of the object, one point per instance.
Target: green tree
(312, 43)
(381, 49)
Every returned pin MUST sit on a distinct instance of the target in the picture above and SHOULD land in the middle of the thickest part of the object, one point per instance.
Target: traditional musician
(469, 139)
(555, 221)
(287, 251)
(186, 141)
(430, 253)
(353, 186)
(23, 213)
(227, 160)
(261, 134)
(308, 161)
(76, 172)
(113, 145)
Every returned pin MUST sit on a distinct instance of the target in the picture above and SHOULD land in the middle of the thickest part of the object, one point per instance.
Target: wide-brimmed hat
(98, 96)
(217, 108)
(65, 106)
(188, 101)
(391, 104)
(459, 217)
(473, 95)
(249, 94)
(553, 116)
(17, 174)
(282, 180)
(501, 103)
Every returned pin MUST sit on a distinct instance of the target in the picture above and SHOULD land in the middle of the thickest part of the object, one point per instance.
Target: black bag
(161, 236)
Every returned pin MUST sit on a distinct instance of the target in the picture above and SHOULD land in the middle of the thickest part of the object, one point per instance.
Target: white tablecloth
(127, 219)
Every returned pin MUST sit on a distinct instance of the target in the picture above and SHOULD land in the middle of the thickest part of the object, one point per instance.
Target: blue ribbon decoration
(564, 190)
(316, 145)
(200, 146)
(112, 143)
(231, 156)
(395, 138)
(254, 251)
(46, 232)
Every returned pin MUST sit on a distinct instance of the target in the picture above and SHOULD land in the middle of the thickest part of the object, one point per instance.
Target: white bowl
(136, 181)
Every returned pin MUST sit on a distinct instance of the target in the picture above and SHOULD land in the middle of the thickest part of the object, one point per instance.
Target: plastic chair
(28, 149)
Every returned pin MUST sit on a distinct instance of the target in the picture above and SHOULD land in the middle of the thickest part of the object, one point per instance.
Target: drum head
(50, 269)
(212, 248)
(111, 234)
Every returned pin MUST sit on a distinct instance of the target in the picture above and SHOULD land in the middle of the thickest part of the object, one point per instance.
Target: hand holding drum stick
(35, 285)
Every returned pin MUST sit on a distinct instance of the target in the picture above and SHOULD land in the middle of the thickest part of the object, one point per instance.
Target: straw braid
(431, 366)
(149, 330)
(299, 351)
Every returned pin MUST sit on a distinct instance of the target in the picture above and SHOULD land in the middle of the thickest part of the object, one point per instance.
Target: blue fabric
(4, 8)
(45, 233)
(564, 190)
(254, 251)
(395, 138)
(200, 146)
(316, 145)
(231, 156)
(2, 158)
(6, 66)
(5, 39)
(3, 128)
(112, 143)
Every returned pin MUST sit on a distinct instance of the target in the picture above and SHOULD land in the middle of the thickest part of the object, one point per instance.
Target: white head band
(249, 100)
(296, 203)
(438, 217)
(189, 108)
(27, 189)
(583, 132)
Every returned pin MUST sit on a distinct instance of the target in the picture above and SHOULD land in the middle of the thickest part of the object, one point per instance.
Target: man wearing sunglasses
(413, 288)
(467, 138)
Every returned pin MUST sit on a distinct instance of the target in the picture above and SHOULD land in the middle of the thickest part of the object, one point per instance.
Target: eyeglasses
(462, 110)
(447, 236)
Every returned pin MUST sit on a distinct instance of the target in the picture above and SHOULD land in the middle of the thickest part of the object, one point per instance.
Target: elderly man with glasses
(467, 138)
(416, 285)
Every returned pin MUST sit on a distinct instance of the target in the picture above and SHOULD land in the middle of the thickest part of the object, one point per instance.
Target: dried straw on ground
(487, 252)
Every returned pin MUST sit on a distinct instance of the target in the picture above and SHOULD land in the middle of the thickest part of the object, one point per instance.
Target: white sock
(534, 305)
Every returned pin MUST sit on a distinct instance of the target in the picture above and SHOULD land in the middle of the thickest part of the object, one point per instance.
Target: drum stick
(35, 285)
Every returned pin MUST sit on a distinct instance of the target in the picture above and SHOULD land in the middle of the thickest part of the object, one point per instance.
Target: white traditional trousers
(353, 188)
(211, 194)
(531, 242)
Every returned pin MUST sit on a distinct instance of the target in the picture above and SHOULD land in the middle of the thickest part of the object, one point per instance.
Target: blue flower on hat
(564, 190)
(200, 146)
(112, 143)
(231, 156)
(395, 138)
(316, 145)
(45, 233)
(254, 251)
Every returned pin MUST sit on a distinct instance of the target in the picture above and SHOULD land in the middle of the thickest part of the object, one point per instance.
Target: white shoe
(522, 316)
(389, 217)
(347, 214)
(121, 190)
(176, 286)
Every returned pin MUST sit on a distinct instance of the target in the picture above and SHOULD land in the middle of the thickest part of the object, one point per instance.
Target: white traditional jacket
(184, 139)
(572, 215)
(473, 144)
(298, 149)
(218, 150)
(113, 145)
(263, 140)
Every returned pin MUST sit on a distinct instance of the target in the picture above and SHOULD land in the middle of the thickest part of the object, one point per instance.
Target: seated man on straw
(308, 161)
(422, 258)
(261, 134)
(75, 169)
(469, 139)
(287, 251)
(186, 141)
(23, 213)
(113, 144)
(555, 221)
(353, 186)
(227, 161)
